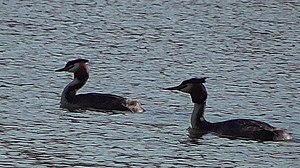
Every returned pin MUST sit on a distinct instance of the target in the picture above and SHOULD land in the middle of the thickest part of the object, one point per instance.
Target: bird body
(236, 128)
(92, 101)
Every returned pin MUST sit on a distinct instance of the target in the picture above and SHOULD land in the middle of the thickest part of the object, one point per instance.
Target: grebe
(237, 128)
(91, 101)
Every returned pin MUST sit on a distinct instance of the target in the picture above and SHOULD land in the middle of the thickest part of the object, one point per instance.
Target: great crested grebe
(91, 101)
(237, 128)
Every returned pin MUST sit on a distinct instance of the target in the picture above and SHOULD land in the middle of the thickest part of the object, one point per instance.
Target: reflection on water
(195, 133)
(250, 51)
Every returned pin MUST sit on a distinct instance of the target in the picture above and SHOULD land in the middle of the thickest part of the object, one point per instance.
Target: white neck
(198, 114)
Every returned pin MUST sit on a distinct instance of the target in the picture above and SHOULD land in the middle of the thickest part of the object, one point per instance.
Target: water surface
(249, 51)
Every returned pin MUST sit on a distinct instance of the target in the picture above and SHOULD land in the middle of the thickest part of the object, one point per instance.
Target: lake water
(250, 50)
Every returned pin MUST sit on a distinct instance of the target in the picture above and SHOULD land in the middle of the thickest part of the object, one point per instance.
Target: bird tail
(134, 106)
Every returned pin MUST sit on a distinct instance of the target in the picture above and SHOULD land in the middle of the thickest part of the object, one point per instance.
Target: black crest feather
(194, 80)
(76, 61)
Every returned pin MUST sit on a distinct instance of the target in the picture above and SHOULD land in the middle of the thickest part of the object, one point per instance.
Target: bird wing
(101, 101)
(245, 128)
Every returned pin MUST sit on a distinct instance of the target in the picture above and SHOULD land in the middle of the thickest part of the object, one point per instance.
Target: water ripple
(249, 51)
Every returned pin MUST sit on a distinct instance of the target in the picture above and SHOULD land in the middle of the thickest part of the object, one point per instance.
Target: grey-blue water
(249, 50)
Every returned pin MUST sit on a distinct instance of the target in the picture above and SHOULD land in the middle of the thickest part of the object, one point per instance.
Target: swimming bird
(236, 128)
(91, 101)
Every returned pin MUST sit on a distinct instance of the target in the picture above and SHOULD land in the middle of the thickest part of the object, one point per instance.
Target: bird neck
(197, 118)
(80, 78)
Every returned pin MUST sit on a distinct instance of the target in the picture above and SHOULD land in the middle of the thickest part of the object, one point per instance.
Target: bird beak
(175, 88)
(62, 69)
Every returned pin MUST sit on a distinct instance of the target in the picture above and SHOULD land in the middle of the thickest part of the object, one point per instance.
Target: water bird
(236, 128)
(91, 101)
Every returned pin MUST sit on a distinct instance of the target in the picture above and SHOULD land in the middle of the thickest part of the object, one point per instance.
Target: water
(249, 51)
